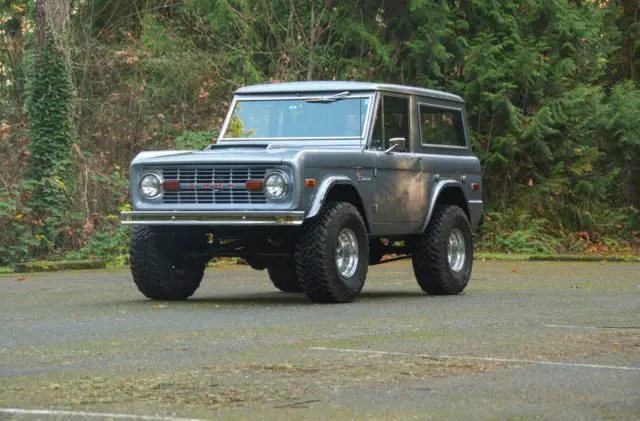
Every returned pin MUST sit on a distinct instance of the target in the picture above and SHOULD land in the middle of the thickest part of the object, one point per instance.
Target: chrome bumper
(255, 218)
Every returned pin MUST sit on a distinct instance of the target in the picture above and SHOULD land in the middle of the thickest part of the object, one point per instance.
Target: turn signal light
(253, 185)
(475, 186)
(171, 185)
(310, 182)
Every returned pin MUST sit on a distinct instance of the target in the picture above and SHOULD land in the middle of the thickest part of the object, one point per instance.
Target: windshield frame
(315, 140)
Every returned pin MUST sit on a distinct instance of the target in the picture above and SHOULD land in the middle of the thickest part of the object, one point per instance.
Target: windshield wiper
(328, 99)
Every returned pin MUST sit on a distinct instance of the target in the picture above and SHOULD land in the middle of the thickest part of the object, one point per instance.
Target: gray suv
(314, 182)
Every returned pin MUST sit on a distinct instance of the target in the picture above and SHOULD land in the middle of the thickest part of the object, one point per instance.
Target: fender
(435, 196)
(326, 185)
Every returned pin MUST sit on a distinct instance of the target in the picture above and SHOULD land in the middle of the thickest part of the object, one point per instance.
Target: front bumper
(235, 218)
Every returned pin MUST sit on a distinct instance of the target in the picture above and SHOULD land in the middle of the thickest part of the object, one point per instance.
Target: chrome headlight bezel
(158, 182)
(286, 181)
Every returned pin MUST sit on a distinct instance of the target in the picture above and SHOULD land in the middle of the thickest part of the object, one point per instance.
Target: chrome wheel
(347, 253)
(456, 250)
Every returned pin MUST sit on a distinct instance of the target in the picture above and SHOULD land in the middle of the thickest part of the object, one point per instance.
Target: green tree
(551, 88)
(52, 164)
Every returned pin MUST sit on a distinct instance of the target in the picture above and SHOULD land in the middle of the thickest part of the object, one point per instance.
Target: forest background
(551, 88)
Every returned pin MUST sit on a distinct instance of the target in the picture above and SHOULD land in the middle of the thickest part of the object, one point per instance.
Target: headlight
(151, 185)
(275, 185)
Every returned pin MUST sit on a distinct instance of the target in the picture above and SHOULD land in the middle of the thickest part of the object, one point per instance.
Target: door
(399, 193)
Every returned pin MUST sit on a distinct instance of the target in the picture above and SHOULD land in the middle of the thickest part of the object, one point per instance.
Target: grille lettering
(213, 184)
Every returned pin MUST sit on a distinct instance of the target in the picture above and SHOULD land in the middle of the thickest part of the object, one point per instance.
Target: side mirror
(398, 144)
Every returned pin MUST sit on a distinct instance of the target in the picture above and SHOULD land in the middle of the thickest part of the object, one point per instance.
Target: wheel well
(454, 196)
(347, 193)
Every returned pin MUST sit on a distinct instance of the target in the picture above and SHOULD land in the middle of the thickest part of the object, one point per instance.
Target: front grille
(213, 184)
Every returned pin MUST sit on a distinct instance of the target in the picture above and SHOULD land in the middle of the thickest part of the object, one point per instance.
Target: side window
(396, 119)
(377, 136)
(439, 126)
(392, 120)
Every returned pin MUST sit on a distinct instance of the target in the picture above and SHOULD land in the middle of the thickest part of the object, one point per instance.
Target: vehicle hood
(249, 154)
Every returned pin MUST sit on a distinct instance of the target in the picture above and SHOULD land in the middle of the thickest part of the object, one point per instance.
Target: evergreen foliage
(51, 166)
(551, 88)
(51, 169)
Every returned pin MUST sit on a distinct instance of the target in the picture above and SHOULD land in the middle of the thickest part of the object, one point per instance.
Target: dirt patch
(622, 340)
(225, 385)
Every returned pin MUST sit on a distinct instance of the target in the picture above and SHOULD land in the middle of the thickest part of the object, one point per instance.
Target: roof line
(325, 86)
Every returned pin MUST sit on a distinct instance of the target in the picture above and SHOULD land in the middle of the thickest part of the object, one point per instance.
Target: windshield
(327, 117)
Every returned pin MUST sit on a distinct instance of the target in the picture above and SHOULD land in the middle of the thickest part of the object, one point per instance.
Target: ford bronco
(314, 182)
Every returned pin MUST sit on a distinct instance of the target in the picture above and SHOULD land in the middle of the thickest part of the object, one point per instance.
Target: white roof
(330, 86)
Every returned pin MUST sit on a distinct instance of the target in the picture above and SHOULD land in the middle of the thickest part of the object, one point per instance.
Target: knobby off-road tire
(283, 276)
(159, 270)
(318, 251)
(441, 263)
(377, 250)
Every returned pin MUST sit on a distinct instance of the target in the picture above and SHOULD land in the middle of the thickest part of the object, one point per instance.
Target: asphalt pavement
(526, 340)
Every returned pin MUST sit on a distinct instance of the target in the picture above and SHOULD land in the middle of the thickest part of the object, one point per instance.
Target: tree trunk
(52, 161)
(52, 17)
(633, 182)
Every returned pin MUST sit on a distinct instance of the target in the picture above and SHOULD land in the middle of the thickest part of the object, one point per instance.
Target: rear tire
(443, 256)
(283, 276)
(159, 268)
(377, 250)
(332, 254)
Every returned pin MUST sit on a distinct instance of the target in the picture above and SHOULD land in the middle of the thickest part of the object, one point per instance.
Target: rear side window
(441, 127)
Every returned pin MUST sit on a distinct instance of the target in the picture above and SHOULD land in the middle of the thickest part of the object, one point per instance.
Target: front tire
(159, 268)
(443, 256)
(332, 254)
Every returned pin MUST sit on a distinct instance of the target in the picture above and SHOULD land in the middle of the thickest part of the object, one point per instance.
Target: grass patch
(44, 266)
(500, 256)
(218, 261)
(583, 258)
(555, 257)
(52, 266)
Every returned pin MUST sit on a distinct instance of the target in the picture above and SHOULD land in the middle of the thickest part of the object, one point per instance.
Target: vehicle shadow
(283, 299)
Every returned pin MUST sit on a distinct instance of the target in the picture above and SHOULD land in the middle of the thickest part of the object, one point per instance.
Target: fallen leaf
(21, 278)
(159, 306)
